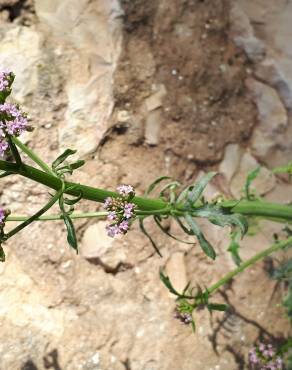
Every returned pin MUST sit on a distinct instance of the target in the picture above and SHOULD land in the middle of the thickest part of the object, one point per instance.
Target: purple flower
(108, 202)
(2, 216)
(112, 216)
(3, 147)
(5, 80)
(128, 210)
(125, 190)
(124, 226)
(112, 230)
(13, 121)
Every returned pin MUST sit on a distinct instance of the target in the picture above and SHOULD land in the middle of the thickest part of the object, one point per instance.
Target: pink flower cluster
(6, 79)
(184, 317)
(2, 216)
(263, 357)
(12, 122)
(121, 211)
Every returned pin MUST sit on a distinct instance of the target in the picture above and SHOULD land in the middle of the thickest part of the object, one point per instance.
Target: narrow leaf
(155, 183)
(205, 245)
(234, 249)
(166, 281)
(141, 224)
(217, 307)
(250, 178)
(71, 235)
(199, 187)
(2, 254)
(62, 158)
(163, 229)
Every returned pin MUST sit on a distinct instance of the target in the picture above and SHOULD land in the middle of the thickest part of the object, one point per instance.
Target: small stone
(95, 242)
(152, 128)
(231, 161)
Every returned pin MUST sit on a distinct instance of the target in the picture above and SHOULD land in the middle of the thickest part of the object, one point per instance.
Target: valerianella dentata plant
(121, 211)
(264, 357)
(6, 79)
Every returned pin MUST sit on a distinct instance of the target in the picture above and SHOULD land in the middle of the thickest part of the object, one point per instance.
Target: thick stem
(275, 247)
(263, 209)
(97, 195)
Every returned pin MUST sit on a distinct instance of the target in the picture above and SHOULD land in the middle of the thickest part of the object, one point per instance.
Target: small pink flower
(128, 210)
(108, 202)
(125, 190)
(112, 216)
(124, 226)
(112, 230)
(3, 147)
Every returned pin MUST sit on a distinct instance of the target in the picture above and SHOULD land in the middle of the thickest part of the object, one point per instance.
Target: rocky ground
(142, 89)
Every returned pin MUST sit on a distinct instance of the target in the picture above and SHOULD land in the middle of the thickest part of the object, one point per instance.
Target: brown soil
(185, 46)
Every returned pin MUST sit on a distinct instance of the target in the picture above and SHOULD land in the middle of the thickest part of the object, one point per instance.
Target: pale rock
(176, 270)
(230, 161)
(154, 101)
(243, 35)
(20, 52)
(264, 183)
(91, 41)
(272, 118)
(95, 242)
(152, 127)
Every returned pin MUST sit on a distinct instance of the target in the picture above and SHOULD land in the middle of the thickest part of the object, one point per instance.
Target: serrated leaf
(141, 224)
(153, 185)
(250, 178)
(205, 245)
(62, 158)
(197, 189)
(71, 235)
(217, 307)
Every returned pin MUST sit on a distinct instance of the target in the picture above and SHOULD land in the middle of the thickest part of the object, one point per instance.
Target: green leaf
(2, 254)
(62, 158)
(166, 281)
(142, 228)
(217, 307)
(250, 178)
(163, 229)
(74, 200)
(218, 217)
(205, 245)
(234, 249)
(71, 235)
(284, 169)
(5, 173)
(196, 190)
(193, 325)
(155, 183)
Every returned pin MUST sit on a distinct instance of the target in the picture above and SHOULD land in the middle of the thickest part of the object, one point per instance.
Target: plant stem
(263, 209)
(14, 151)
(33, 156)
(29, 220)
(78, 215)
(275, 247)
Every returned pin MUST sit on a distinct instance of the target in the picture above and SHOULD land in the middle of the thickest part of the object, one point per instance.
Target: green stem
(275, 247)
(89, 193)
(29, 220)
(33, 156)
(263, 209)
(14, 151)
(78, 215)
